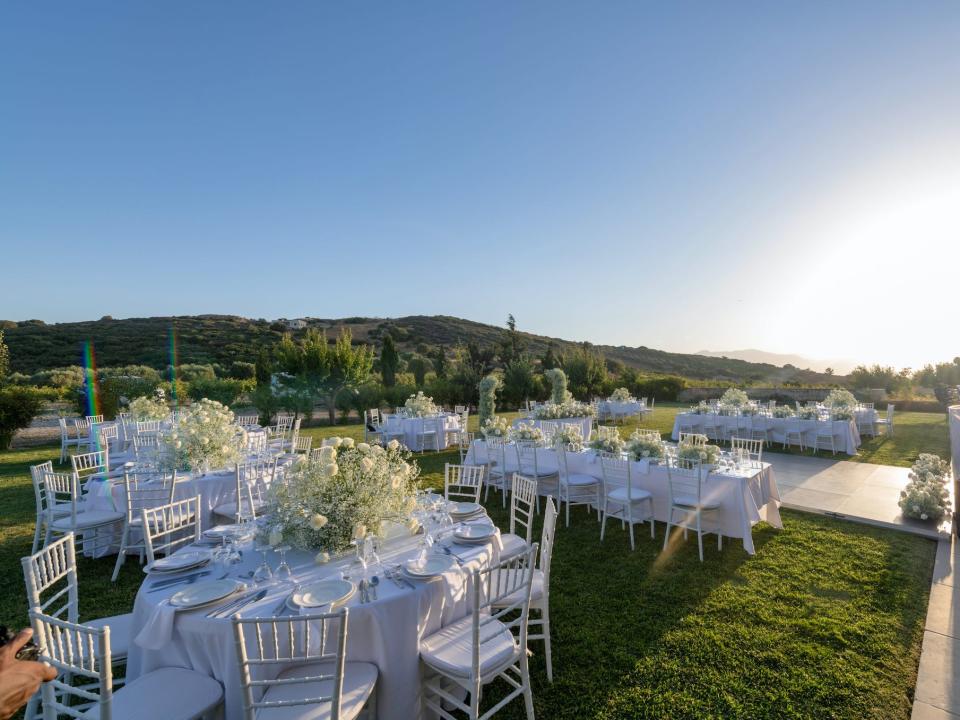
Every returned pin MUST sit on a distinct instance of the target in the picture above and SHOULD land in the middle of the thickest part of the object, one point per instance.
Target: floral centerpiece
(783, 411)
(809, 412)
(349, 490)
(840, 399)
(607, 439)
(702, 408)
(568, 409)
(926, 496)
(734, 398)
(526, 431)
(149, 408)
(495, 427)
(569, 436)
(842, 413)
(204, 437)
(620, 395)
(705, 454)
(645, 446)
(420, 405)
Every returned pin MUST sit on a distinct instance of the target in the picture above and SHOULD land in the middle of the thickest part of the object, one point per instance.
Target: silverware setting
(237, 603)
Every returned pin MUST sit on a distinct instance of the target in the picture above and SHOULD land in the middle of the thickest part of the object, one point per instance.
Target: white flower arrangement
(783, 411)
(526, 431)
(735, 398)
(809, 412)
(204, 437)
(348, 491)
(620, 395)
(926, 496)
(495, 427)
(841, 399)
(702, 408)
(147, 408)
(607, 439)
(570, 436)
(420, 405)
(558, 411)
(645, 447)
(705, 454)
(843, 413)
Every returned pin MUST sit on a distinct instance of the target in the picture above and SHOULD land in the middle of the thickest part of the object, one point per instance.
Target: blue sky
(682, 175)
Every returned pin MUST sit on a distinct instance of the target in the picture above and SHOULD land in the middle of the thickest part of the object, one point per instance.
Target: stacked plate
(185, 560)
(462, 511)
(322, 593)
(204, 593)
(433, 566)
(221, 531)
(476, 533)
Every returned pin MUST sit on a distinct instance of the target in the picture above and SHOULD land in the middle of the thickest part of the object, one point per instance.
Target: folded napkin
(158, 629)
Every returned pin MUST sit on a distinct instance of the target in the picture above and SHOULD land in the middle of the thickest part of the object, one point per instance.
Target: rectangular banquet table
(847, 435)
(385, 632)
(584, 423)
(745, 497)
(413, 427)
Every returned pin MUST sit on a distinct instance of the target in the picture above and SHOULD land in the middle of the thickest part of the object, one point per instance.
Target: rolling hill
(223, 339)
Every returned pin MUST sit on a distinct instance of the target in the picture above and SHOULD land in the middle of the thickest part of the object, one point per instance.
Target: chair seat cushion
(690, 501)
(164, 694)
(120, 627)
(359, 681)
(581, 480)
(450, 650)
(88, 519)
(620, 494)
(513, 545)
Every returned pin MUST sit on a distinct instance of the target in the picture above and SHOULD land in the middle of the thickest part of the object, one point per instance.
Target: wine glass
(263, 574)
(283, 572)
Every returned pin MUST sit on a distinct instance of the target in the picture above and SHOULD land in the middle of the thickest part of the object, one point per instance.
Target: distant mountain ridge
(223, 339)
(751, 355)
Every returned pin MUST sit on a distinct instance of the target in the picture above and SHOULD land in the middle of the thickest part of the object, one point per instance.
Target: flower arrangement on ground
(705, 454)
(558, 385)
(569, 409)
(620, 395)
(645, 446)
(349, 490)
(488, 398)
(926, 496)
(809, 412)
(526, 431)
(607, 439)
(145, 408)
(783, 411)
(734, 397)
(420, 405)
(495, 427)
(204, 437)
(841, 399)
(569, 436)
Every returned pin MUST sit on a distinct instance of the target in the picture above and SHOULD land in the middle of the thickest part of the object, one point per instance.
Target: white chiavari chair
(148, 427)
(793, 433)
(248, 422)
(489, 643)
(460, 408)
(533, 462)
(713, 424)
(866, 422)
(61, 492)
(500, 467)
(631, 503)
(753, 447)
(429, 432)
(141, 491)
(464, 443)
(302, 445)
(83, 657)
(462, 483)
(295, 668)
(523, 499)
(887, 422)
(825, 435)
(372, 432)
(67, 440)
(39, 495)
(315, 454)
(250, 496)
(695, 439)
(81, 429)
(257, 443)
(167, 528)
(540, 590)
(685, 478)
(577, 488)
(761, 428)
(91, 465)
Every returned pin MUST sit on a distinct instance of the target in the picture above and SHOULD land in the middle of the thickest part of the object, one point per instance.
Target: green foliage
(389, 361)
(4, 360)
(518, 384)
(438, 356)
(266, 403)
(70, 377)
(877, 376)
(18, 407)
(225, 391)
(512, 343)
(419, 366)
(143, 372)
(664, 387)
(240, 370)
(586, 371)
(395, 396)
(488, 398)
(114, 392)
(549, 359)
(263, 368)
(189, 372)
(558, 385)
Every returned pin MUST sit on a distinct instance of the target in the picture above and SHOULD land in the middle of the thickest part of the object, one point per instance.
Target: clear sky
(686, 176)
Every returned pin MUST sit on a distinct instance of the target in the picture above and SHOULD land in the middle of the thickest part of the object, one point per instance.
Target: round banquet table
(386, 632)
(412, 428)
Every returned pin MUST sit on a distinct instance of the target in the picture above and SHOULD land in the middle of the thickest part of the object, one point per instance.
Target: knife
(238, 604)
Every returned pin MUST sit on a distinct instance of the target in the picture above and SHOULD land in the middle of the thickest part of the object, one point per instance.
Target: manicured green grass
(825, 621)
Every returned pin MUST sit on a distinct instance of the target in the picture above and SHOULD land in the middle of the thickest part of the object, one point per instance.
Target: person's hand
(19, 679)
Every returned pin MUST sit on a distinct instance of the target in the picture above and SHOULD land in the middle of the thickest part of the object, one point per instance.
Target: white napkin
(158, 629)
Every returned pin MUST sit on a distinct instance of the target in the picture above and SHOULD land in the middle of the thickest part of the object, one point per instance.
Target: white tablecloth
(386, 632)
(585, 423)
(745, 498)
(613, 408)
(847, 435)
(411, 427)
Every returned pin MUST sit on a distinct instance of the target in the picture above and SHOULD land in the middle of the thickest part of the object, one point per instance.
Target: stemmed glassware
(263, 574)
(283, 573)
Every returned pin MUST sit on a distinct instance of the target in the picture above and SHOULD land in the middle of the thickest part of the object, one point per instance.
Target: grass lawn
(825, 621)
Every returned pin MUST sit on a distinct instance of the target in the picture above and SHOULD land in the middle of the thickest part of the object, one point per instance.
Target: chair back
(497, 454)
(81, 656)
(753, 447)
(890, 414)
(695, 439)
(145, 445)
(528, 461)
(143, 491)
(248, 421)
(94, 419)
(257, 443)
(60, 491)
(50, 575)
(148, 427)
(302, 445)
(522, 505)
(266, 646)
(91, 463)
(373, 417)
(64, 432)
(685, 479)
(169, 527)
(464, 443)
(251, 488)
(462, 482)
(562, 467)
(649, 432)
(546, 542)
(616, 473)
(36, 475)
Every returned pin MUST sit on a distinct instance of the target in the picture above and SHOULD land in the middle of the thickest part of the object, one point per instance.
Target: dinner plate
(221, 531)
(463, 509)
(324, 592)
(203, 593)
(186, 560)
(475, 532)
(435, 565)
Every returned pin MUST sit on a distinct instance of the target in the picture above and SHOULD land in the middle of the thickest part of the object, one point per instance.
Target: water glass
(283, 572)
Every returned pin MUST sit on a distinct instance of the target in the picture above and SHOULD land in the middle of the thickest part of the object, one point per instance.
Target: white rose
(275, 538)
(359, 531)
(393, 445)
(330, 469)
(347, 443)
(321, 557)
(318, 521)
(366, 464)
(363, 447)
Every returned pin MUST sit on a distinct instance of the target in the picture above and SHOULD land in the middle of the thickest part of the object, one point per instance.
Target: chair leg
(630, 522)
(653, 529)
(547, 653)
(122, 555)
(666, 535)
(603, 523)
(699, 536)
(525, 679)
(36, 538)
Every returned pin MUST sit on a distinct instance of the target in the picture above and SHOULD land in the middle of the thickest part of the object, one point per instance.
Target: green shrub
(18, 407)
(397, 395)
(188, 372)
(223, 391)
(243, 370)
(266, 403)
